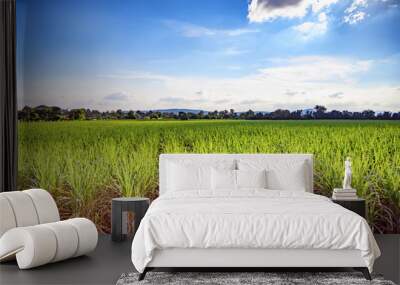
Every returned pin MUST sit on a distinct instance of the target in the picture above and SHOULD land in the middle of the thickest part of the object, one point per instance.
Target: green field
(84, 163)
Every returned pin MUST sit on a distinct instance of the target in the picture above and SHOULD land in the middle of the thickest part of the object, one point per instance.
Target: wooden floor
(110, 260)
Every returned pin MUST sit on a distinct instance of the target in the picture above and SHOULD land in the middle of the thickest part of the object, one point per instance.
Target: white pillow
(184, 178)
(293, 180)
(223, 179)
(287, 174)
(251, 178)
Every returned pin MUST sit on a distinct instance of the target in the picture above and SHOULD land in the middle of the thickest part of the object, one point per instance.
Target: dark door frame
(8, 97)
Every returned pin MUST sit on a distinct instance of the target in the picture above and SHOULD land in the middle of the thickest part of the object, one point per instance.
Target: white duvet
(250, 219)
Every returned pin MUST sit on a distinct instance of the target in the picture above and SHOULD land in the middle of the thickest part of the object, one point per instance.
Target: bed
(247, 210)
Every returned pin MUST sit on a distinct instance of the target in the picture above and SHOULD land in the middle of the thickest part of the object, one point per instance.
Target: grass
(85, 163)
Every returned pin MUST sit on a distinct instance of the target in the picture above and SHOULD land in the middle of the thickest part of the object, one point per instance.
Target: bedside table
(356, 205)
(126, 214)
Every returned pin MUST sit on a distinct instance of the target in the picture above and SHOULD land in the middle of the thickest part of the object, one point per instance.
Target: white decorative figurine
(347, 174)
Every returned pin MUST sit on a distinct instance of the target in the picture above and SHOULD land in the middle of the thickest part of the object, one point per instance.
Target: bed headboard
(211, 159)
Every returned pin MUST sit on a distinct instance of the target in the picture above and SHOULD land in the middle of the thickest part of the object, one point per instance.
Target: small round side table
(126, 214)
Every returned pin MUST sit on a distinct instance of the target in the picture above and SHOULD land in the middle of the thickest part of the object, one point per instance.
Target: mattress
(250, 219)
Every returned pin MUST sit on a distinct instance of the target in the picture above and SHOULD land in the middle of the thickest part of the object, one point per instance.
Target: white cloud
(309, 30)
(196, 31)
(297, 82)
(192, 31)
(237, 32)
(178, 101)
(252, 102)
(222, 101)
(354, 18)
(317, 69)
(320, 5)
(355, 5)
(268, 10)
(290, 93)
(117, 96)
(335, 95)
(330, 81)
(353, 13)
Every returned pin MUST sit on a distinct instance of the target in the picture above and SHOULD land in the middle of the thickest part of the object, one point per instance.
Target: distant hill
(307, 111)
(255, 112)
(176, 111)
(195, 111)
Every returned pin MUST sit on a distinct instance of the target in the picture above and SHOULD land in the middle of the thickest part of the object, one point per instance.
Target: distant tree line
(52, 113)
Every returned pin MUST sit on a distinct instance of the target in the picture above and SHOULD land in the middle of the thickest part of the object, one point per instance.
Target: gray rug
(269, 278)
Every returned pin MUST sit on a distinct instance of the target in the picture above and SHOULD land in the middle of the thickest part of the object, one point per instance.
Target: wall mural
(104, 87)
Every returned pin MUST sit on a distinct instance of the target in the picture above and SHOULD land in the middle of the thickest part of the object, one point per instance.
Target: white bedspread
(250, 219)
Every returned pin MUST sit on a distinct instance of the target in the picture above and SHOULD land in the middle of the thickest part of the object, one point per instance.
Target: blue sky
(221, 54)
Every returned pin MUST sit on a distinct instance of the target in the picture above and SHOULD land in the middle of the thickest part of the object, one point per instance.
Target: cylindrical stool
(126, 214)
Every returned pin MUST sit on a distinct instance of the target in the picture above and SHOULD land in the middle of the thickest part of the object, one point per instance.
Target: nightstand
(357, 205)
(126, 214)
